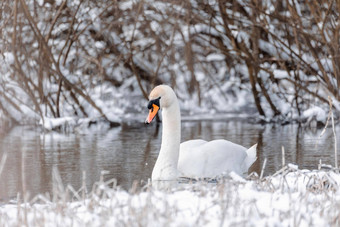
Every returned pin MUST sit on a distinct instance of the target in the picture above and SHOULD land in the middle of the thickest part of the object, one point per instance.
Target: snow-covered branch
(96, 59)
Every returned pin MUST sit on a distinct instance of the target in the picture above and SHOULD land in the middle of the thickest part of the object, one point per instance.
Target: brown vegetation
(74, 45)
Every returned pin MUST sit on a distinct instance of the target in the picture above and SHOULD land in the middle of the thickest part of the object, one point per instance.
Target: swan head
(160, 97)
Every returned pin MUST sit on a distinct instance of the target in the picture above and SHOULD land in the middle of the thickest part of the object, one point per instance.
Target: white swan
(193, 158)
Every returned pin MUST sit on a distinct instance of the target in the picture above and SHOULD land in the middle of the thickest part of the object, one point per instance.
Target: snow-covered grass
(291, 197)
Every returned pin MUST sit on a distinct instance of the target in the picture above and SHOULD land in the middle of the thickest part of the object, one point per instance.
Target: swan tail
(251, 157)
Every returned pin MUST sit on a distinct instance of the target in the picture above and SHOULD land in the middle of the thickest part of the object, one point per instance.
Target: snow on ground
(291, 197)
(315, 112)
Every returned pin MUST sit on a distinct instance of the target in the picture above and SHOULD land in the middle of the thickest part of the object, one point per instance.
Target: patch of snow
(215, 57)
(53, 123)
(41, 2)
(9, 58)
(280, 74)
(315, 112)
(100, 44)
(287, 198)
(293, 166)
(200, 76)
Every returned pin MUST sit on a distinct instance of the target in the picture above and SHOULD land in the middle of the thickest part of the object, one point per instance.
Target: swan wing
(199, 158)
(192, 144)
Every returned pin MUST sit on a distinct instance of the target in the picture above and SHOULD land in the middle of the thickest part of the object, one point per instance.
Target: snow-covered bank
(104, 61)
(313, 117)
(292, 197)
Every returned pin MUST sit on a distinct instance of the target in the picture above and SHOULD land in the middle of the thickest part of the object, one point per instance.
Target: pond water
(129, 152)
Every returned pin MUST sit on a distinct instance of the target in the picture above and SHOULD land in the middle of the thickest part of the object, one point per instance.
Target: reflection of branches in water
(298, 146)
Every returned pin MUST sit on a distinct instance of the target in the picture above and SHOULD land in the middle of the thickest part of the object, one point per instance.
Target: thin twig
(263, 166)
(283, 156)
(335, 140)
(2, 162)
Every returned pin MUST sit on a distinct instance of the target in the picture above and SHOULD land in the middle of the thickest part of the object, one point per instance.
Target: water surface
(129, 152)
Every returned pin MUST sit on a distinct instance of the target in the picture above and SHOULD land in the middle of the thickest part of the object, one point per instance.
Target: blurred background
(90, 59)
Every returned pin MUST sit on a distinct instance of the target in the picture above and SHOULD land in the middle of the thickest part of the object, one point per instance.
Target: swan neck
(171, 134)
(166, 164)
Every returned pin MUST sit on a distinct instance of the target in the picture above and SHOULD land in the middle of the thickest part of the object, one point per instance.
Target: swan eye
(153, 101)
(153, 106)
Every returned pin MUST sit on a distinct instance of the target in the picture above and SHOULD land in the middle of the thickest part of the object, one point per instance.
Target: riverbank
(290, 197)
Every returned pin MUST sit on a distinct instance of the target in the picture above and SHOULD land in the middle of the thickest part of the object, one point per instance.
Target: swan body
(193, 158)
(199, 158)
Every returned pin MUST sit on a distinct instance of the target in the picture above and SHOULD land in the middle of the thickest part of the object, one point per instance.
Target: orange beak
(152, 113)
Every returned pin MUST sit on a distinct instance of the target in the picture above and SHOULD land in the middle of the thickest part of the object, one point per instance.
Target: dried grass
(290, 197)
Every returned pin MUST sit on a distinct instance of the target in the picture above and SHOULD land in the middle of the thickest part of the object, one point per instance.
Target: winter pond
(129, 152)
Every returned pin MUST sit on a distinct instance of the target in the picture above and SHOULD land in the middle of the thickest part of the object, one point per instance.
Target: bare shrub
(57, 52)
